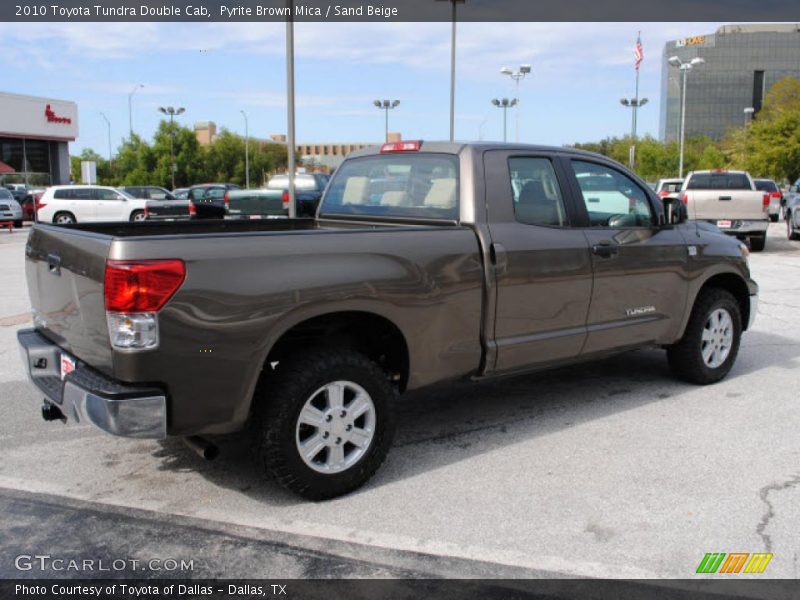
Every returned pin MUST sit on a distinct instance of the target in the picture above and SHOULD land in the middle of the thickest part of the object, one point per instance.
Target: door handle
(499, 258)
(726, 197)
(605, 249)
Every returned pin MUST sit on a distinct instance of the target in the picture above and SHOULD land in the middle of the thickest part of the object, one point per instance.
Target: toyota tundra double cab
(466, 261)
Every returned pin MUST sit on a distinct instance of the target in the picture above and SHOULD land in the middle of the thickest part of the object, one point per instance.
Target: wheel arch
(731, 282)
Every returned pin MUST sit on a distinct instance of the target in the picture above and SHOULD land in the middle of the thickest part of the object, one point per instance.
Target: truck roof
(456, 148)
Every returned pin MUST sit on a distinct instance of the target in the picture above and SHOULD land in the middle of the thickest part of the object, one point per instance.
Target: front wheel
(138, 216)
(322, 423)
(790, 232)
(18, 224)
(708, 348)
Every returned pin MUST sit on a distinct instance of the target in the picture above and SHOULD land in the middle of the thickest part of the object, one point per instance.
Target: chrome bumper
(753, 310)
(87, 396)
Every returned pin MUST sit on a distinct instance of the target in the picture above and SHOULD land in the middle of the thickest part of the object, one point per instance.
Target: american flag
(638, 53)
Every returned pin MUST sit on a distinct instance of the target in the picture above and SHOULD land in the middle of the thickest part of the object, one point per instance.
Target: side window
(81, 194)
(104, 194)
(537, 197)
(156, 194)
(612, 199)
(63, 194)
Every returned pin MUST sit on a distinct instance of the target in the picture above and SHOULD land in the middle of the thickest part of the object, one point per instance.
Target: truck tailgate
(65, 269)
(726, 204)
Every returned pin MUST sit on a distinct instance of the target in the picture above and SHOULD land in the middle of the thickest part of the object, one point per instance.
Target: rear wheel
(322, 423)
(708, 348)
(773, 218)
(757, 243)
(18, 224)
(64, 218)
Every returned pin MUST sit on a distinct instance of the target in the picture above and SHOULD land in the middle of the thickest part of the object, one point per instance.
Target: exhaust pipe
(202, 447)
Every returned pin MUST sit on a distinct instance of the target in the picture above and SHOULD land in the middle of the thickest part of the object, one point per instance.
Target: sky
(215, 70)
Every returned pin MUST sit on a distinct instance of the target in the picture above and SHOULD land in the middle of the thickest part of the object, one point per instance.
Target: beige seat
(442, 194)
(395, 198)
(355, 190)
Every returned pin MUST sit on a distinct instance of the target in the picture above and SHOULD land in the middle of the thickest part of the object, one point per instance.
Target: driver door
(640, 268)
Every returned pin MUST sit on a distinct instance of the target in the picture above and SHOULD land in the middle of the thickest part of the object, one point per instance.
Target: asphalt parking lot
(611, 469)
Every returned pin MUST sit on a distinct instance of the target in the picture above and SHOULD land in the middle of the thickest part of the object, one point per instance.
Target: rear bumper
(87, 396)
(745, 228)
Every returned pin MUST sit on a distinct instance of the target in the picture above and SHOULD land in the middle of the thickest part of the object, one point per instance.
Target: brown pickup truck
(427, 262)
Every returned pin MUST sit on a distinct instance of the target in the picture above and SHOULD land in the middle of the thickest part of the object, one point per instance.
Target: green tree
(136, 162)
(189, 156)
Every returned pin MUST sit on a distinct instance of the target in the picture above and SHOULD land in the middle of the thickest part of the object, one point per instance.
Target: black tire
(790, 232)
(757, 243)
(686, 358)
(64, 218)
(18, 224)
(773, 218)
(137, 215)
(279, 400)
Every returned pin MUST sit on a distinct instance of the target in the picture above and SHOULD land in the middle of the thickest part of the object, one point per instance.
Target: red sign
(53, 118)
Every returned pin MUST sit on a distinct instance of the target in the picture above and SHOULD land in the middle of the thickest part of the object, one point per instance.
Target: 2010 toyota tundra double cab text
(427, 262)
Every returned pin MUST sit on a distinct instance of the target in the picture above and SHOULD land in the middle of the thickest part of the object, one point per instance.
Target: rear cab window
(718, 181)
(765, 185)
(400, 185)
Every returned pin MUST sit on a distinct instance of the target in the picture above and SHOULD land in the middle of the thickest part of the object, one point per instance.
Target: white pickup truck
(729, 200)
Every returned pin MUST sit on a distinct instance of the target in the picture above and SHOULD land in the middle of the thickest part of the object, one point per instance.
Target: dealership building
(742, 62)
(34, 139)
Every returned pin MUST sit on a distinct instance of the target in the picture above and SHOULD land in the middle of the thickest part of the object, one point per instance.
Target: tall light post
(130, 109)
(505, 104)
(290, 114)
(246, 152)
(171, 111)
(108, 124)
(517, 76)
(453, 67)
(386, 106)
(748, 115)
(634, 104)
(684, 68)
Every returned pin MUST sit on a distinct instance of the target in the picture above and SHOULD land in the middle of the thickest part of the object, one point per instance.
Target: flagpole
(635, 110)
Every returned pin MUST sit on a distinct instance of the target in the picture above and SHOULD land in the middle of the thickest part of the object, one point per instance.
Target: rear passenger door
(542, 266)
(640, 277)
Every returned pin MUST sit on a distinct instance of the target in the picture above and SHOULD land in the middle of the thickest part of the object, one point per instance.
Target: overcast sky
(580, 71)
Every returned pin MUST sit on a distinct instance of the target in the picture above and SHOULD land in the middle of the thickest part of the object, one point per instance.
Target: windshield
(410, 185)
(126, 194)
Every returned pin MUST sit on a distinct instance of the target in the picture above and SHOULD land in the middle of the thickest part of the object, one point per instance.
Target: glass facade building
(742, 63)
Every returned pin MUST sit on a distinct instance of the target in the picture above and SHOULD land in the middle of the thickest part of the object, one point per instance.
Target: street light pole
(516, 76)
(684, 67)
(634, 104)
(108, 124)
(386, 106)
(171, 111)
(453, 67)
(246, 152)
(505, 104)
(290, 163)
(130, 109)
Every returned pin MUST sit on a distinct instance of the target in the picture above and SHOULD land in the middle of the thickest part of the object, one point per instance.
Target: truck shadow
(441, 426)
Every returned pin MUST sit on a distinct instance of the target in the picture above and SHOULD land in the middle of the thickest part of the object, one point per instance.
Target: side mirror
(674, 210)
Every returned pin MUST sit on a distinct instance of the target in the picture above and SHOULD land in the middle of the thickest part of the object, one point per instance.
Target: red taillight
(685, 199)
(37, 205)
(141, 286)
(775, 194)
(192, 209)
(663, 194)
(227, 200)
(402, 146)
(765, 201)
(146, 211)
(285, 199)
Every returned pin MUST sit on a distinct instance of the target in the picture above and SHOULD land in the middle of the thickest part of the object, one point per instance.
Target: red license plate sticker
(724, 224)
(67, 365)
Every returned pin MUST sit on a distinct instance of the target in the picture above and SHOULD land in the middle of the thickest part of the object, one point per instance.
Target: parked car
(207, 200)
(67, 204)
(775, 197)
(257, 204)
(18, 190)
(10, 210)
(669, 187)
(29, 203)
(303, 332)
(791, 212)
(161, 203)
(308, 190)
(180, 193)
(730, 200)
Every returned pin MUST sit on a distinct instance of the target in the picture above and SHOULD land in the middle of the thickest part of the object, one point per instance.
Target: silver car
(791, 211)
(10, 210)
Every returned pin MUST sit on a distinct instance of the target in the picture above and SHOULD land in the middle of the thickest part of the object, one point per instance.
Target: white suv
(65, 204)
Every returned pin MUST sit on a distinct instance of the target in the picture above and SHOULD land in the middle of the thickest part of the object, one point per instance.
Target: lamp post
(246, 152)
(386, 106)
(634, 104)
(108, 124)
(748, 115)
(171, 111)
(517, 76)
(684, 68)
(453, 67)
(130, 109)
(505, 104)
